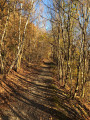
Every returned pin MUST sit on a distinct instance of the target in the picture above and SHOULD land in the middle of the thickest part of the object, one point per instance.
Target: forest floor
(30, 94)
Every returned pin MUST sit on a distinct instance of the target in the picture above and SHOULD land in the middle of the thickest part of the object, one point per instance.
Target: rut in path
(32, 97)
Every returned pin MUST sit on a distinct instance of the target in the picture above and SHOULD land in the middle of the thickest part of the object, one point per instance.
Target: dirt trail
(31, 97)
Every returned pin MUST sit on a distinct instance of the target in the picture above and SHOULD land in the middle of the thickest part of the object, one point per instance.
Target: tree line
(70, 33)
(20, 39)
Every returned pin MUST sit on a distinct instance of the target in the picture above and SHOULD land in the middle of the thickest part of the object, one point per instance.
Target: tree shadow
(38, 99)
(22, 98)
(51, 111)
(3, 116)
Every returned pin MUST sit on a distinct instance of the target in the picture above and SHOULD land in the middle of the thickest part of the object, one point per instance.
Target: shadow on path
(35, 100)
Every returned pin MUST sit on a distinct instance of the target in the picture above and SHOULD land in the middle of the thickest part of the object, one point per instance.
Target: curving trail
(31, 96)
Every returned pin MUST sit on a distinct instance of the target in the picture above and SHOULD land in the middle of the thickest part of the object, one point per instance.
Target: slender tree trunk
(21, 44)
(2, 44)
(19, 41)
(59, 54)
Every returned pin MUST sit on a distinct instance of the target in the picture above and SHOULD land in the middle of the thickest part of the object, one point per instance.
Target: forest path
(31, 96)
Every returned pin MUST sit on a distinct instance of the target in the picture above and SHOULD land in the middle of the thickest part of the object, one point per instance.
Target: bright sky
(44, 12)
